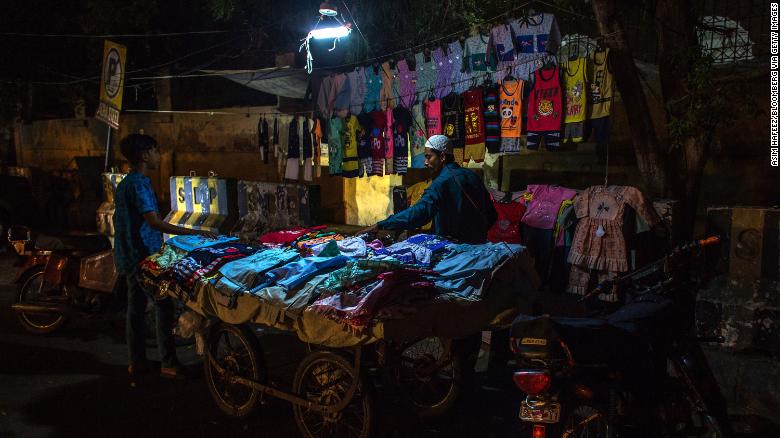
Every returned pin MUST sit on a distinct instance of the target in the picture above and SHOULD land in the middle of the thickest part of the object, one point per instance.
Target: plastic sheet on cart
(511, 290)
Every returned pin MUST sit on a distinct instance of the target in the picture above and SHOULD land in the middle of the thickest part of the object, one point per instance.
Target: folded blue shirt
(416, 250)
(245, 273)
(466, 268)
(191, 242)
(298, 272)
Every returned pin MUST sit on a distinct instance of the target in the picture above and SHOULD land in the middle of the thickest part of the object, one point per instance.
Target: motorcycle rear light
(532, 382)
(538, 431)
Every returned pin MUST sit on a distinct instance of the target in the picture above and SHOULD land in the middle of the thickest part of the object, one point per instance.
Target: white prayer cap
(439, 143)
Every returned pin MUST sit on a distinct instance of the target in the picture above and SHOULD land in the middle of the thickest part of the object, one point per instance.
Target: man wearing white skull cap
(456, 201)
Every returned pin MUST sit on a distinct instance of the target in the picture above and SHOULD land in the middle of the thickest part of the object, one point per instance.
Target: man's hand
(207, 234)
(370, 230)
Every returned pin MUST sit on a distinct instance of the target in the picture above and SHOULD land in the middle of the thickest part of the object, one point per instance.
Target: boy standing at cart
(138, 234)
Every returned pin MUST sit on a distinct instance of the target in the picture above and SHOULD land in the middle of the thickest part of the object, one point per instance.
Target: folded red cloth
(288, 236)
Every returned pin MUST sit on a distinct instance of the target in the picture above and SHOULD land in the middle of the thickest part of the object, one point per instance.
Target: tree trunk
(694, 158)
(678, 53)
(647, 150)
(676, 170)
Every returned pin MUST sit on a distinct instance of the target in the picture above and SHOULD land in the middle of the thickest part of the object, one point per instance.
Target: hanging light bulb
(331, 32)
(335, 32)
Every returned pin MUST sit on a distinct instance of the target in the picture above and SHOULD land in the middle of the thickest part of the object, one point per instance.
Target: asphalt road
(73, 384)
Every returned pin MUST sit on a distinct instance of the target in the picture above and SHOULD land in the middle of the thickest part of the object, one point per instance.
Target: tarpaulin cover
(279, 81)
(510, 290)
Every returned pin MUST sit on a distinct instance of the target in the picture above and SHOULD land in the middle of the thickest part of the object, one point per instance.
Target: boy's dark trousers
(136, 324)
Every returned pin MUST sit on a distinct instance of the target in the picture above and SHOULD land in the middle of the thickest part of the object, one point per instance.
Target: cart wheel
(235, 349)
(429, 375)
(324, 377)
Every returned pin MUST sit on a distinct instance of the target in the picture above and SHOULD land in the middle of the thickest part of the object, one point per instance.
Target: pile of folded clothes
(351, 280)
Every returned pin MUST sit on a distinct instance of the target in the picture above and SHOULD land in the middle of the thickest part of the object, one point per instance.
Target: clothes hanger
(509, 76)
(507, 199)
(486, 79)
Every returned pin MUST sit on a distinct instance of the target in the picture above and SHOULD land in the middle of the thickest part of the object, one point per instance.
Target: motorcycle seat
(584, 323)
(589, 340)
(73, 242)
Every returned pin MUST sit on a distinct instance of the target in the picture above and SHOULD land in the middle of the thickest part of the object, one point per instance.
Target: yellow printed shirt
(354, 130)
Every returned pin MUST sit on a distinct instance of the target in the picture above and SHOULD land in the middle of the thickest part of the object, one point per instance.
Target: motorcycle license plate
(545, 413)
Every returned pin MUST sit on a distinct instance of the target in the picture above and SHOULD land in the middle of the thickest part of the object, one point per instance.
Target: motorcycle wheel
(237, 351)
(30, 290)
(429, 375)
(585, 421)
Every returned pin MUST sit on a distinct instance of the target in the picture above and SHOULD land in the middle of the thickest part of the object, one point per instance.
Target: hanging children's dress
(598, 243)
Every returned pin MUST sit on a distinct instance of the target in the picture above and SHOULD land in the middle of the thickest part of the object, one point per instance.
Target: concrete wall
(225, 144)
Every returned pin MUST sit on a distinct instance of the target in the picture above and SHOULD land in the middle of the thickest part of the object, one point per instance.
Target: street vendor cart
(410, 344)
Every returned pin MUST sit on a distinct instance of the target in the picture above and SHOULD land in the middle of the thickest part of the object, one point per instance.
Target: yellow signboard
(112, 82)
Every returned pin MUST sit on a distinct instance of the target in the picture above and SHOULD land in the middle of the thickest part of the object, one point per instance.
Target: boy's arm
(154, 221)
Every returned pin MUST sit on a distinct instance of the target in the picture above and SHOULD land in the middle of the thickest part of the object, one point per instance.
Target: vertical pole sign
(112, 82)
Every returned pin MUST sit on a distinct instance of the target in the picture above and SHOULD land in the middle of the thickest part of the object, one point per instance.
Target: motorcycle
(639, 371)
(59, 277)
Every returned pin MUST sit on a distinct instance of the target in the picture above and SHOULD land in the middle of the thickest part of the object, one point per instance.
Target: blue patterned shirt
(134, 239)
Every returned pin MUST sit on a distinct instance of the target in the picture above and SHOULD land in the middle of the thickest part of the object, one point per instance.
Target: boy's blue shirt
(134, 239)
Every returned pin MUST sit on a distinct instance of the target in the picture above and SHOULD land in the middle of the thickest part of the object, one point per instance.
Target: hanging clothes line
(377, 101)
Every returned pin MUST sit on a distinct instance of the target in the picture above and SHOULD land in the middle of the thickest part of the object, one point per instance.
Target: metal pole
(108, 148)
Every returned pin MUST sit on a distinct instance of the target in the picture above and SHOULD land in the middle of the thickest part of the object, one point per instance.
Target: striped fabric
(492, 120)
